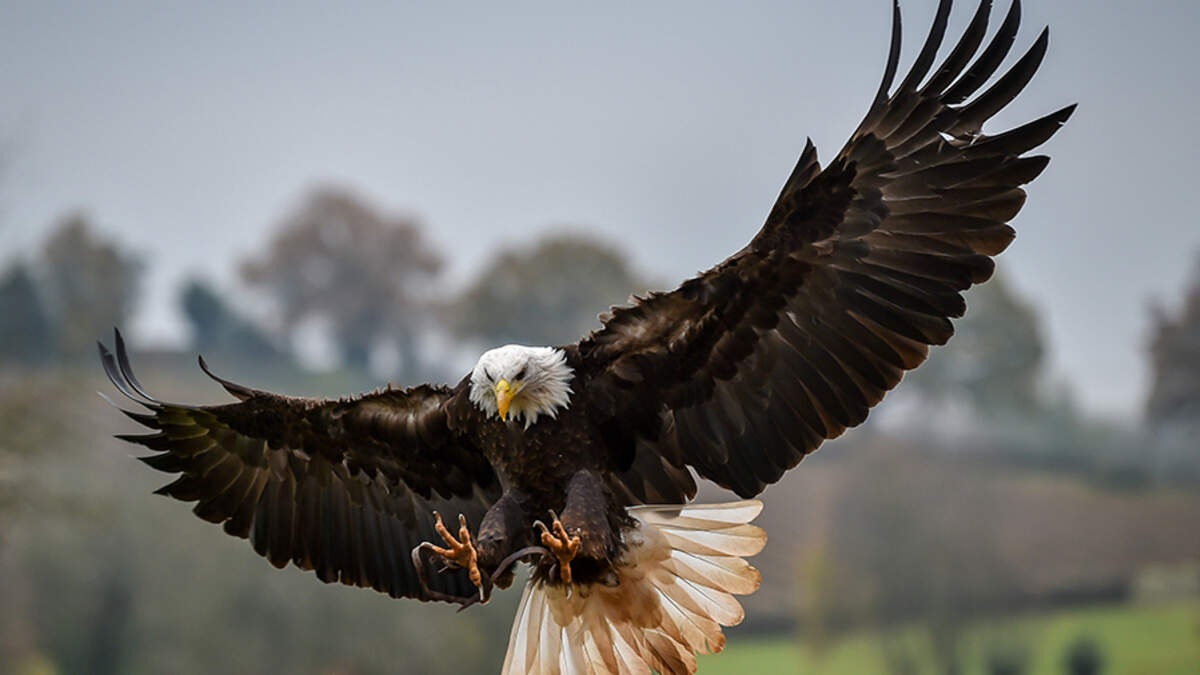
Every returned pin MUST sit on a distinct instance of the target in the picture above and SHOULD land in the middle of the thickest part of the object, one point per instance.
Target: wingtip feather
(235, 389)
(893, 62)
(125, 367)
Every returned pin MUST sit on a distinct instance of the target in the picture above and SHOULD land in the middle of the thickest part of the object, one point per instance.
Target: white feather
(675, 593)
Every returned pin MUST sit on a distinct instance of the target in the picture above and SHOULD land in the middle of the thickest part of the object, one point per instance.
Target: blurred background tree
(218, 328)
(363, 273)
(90, 285)
(995, 359)
(549, 293)
(26, 331)
(989, 389)
(1172, 414)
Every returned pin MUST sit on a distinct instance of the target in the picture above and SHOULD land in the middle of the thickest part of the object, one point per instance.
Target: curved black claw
(485, 588)
(514, 557)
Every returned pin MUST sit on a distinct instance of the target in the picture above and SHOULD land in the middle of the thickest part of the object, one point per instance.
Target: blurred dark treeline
(978, 489)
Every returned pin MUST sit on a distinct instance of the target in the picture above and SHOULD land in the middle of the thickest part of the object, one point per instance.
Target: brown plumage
(737, 375)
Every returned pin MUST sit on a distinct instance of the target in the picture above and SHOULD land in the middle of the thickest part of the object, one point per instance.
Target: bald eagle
(580, 461)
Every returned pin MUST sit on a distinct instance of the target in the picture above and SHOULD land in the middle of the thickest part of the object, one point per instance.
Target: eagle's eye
(521, 372)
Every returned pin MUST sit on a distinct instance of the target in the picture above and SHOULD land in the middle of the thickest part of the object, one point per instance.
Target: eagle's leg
(460, 551)
(500, 534)
(584, 529)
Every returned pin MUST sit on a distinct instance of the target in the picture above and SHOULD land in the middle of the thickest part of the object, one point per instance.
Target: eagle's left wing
(750, 366)
(344, 488)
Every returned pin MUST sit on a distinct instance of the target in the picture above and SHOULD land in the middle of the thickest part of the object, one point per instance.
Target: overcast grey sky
(188, 128)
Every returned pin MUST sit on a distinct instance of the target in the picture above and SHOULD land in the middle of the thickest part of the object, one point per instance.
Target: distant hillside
(871, 511)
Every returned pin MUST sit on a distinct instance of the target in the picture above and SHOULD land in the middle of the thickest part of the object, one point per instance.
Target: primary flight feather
(578, 460)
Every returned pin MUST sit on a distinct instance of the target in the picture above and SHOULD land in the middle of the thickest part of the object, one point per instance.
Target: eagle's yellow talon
(562, 545)
(460, 551)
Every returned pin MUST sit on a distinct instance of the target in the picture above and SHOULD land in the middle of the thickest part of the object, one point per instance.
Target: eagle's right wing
(748, 367)
(341, 487)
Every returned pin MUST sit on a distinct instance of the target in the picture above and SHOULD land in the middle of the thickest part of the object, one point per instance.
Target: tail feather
(699, 600)
(741, 540)
(699, 516)
(575, 661)
(730, 573)
(695, 629)
(678, 576)
(521, 642)
(671, 655)
(624, 643)
(599, 645)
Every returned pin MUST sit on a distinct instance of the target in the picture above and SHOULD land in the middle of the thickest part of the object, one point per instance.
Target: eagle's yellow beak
(504, 396)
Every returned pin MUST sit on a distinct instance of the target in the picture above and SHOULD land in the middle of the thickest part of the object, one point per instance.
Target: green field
(1136, 640)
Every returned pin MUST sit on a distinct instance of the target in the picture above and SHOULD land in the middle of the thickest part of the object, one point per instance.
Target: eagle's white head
(522, 382)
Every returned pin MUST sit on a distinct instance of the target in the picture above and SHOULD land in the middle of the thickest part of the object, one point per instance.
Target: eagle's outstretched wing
(750, 366)
(341, 487)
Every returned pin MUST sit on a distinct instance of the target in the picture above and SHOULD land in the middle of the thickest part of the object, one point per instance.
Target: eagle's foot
(460, 552)
(562, 546)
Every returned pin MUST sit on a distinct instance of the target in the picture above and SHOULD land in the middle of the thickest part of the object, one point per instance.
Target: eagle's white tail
(677, 578)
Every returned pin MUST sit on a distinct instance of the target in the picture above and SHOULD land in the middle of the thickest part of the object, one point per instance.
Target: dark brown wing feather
(341, 487)
(747, 368)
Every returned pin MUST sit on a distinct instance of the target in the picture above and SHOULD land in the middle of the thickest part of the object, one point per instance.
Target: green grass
(1136, 640)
